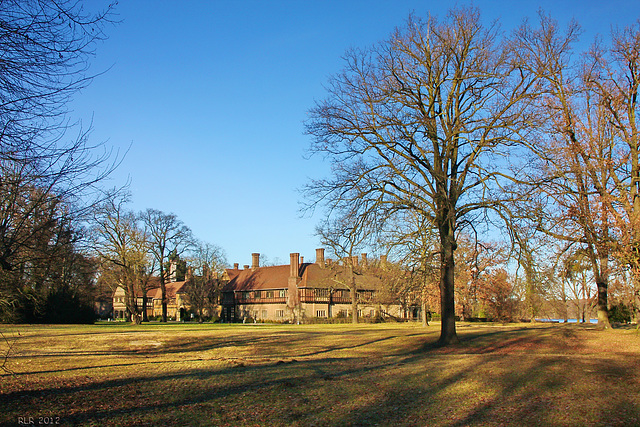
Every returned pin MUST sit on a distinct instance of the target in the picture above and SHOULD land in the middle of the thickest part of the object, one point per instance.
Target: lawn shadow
(519, 376)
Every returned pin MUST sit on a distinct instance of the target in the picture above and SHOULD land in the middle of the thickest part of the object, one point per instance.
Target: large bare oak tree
(426, 121)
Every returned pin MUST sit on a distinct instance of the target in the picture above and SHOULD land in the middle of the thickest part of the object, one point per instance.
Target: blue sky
(211, 97)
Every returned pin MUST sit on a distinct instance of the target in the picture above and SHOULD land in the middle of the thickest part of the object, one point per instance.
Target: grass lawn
(317, 375)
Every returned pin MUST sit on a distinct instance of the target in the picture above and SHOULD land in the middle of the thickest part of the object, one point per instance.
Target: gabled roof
(172, 289)
(335, 276)
(275, 277)
(232, 273)
(312, 276)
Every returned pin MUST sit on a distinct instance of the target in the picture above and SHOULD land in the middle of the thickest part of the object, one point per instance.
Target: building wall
(280, 312)
(154, 306)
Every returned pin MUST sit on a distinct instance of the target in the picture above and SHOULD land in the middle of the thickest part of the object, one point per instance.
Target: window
(283, 293)
(279, 314)
(256, 294)
(321, 313)
(269, 294)
(265, 314)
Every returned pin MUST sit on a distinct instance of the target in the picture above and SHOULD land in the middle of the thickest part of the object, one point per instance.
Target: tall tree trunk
(425, 314)
(447, 297)
(163, 291)
(565, 311)
(354, 296)
(602, 282)
(145, 299)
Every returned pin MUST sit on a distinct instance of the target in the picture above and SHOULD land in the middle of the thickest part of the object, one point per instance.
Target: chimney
(383, 259)
(320, 257)
(294, 265)
(364, 260)
(236, 266)
(255, 260)
(354, 260)
(189, 274)
(246, 266)
(293, 298)
(301, 260)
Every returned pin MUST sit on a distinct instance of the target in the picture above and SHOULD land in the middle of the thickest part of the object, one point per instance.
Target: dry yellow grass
(190, 374)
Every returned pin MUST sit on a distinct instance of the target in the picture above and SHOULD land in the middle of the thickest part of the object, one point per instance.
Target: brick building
(300, 290)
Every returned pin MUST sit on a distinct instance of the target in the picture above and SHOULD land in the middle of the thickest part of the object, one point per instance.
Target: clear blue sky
(212, 95)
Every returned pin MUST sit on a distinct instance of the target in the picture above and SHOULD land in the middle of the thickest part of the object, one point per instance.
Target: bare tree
(582, 162)
(166, 234)
(576, 278)
(46, 171)
(345, 237)
(124, 249)
(411, 238)
(613, 74)
(207, 263)
(428, 121)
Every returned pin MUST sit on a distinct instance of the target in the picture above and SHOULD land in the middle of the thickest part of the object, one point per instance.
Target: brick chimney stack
(320, 257)
(383, 259)
(292, 288)
(255, 260)
(236, 266)
(364, 259)
(294, 265)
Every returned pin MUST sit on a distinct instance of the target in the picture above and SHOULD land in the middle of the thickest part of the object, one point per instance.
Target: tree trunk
(602, 309)
(425, 318)
(145, 317)
(163, 290)
(565, 311)
(354, 296)
(602, 282)
(425, 314)
(130, 303)
(354, 307)
(447, 298)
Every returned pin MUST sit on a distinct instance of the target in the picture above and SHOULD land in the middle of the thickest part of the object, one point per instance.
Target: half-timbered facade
(297, 291)
(177, 304)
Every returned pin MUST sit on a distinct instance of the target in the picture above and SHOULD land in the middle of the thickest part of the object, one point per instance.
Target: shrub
(620, 313)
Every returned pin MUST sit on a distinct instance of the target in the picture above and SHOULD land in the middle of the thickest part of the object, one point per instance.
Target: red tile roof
(275, 277)
(172, 289)
(312, 276)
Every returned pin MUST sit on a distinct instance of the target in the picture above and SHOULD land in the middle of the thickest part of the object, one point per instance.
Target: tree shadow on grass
(496, 378)
(188, 345)
(507, 385)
